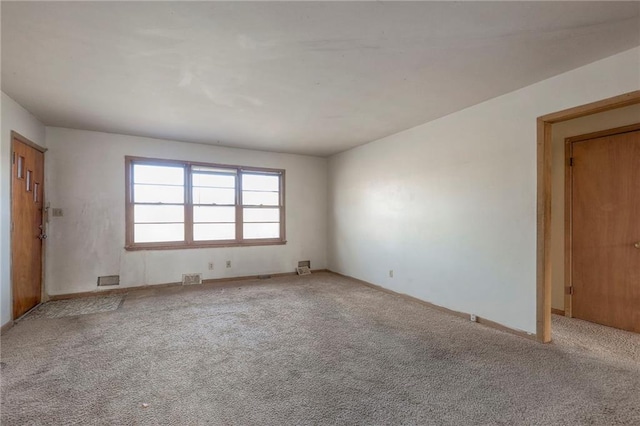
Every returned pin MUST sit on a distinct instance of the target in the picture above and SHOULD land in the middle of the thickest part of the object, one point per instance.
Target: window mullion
(281, 205)
(129, 178)
(188, 204)
(239, 212)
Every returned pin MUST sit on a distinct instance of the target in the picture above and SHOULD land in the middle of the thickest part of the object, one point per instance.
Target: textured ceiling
(300, 77)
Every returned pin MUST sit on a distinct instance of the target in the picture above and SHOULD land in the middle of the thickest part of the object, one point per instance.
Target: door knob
(637, 245)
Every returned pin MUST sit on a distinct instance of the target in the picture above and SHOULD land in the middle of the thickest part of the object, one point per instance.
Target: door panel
(605, 226)
(27, 188)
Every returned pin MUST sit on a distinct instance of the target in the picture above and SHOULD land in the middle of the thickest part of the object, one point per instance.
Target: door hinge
(571, 162)
(569, 290)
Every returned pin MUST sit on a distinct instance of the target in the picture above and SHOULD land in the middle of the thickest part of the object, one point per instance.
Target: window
(177, 204)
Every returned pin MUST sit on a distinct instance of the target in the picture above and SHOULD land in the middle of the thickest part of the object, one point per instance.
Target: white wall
(85, 178)
(450, 205)
(559, 132)
(18, 119)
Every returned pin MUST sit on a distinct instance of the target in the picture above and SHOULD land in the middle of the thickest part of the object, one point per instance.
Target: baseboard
(557, 311)
(6, 327)
(212, 282)
(480, 320)
(108, 292)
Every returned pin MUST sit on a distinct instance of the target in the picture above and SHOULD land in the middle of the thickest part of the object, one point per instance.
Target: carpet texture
(73, 307)
(319, 349)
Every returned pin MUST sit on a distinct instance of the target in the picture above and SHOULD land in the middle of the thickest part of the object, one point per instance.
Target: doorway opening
(547, 126)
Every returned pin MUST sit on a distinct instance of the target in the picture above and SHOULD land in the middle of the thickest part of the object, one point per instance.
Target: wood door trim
(543, 214)
(568, 205)
(620, 101)
(15, 136)
(567, 227)
(543, 233)
(603, 133)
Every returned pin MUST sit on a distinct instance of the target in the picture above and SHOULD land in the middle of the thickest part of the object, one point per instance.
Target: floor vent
(109, 280)
(190, 279)
(303, 270)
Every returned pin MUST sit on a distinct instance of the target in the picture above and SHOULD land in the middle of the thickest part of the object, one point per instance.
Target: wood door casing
(604, 228)
(27, 191)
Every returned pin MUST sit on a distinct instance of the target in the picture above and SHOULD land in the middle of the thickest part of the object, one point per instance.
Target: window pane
(145, 213)
(147, 233)
(158, 194)
(214, 180)
(259, 182)
(252, 198)
(20, 167)
(161, 175)
(261, 215)
(261, 230)
(213, 196)
(214, 214)
(214, 231)
(212, 169)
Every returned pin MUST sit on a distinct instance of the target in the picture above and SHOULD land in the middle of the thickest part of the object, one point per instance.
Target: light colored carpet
(319, 349)
(604, 342)
(80, 306)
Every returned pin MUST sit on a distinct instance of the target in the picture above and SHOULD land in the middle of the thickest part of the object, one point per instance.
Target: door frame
(568, 205)
(543, 205)
(15, 136)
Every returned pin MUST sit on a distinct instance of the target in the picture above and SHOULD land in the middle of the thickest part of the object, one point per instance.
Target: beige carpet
(73, 307)
(305, 350)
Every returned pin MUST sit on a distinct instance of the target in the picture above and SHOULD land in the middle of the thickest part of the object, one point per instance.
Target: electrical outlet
(211, 266)
(473, 318)
(228, 264)
(390, 273)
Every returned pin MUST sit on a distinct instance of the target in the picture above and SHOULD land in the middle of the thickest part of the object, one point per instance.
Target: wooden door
(605, 229)
(27, 234)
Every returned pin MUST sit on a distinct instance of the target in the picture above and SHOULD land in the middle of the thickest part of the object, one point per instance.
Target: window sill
(139, 247)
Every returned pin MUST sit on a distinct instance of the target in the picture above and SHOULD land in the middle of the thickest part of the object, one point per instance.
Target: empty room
(292, 213)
